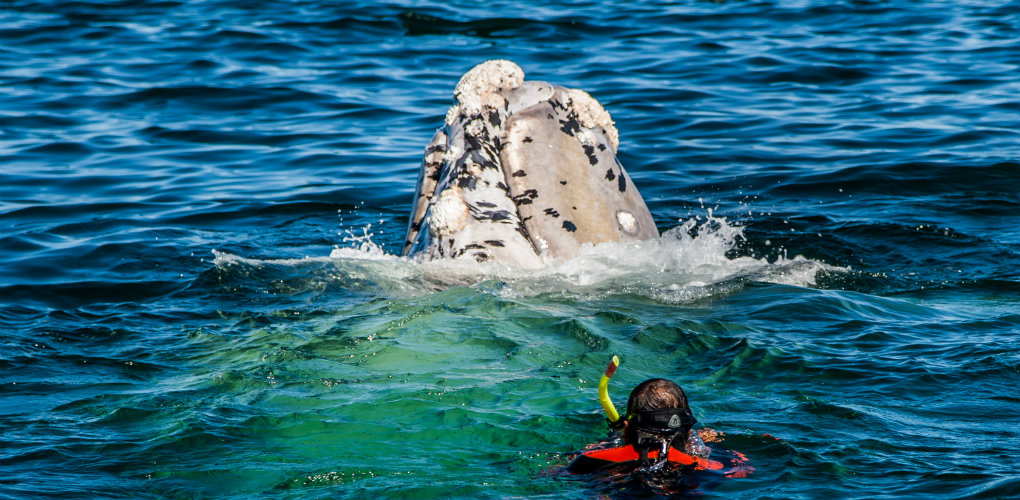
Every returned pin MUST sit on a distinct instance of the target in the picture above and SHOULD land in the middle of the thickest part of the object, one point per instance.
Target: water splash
(688, 262)
(362, 246)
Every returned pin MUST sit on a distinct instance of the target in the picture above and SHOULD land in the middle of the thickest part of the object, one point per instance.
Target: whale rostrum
(522, 173)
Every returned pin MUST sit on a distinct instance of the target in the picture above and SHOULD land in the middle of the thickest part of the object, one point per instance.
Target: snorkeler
(658, 436)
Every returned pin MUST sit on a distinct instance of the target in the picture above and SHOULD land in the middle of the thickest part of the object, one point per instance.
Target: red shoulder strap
(620, 454)
(682, 458)
(627, 453)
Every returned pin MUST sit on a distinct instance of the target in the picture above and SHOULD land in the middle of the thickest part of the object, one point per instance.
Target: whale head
(522, 173)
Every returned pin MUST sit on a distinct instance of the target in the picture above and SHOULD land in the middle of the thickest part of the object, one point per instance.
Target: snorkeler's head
(656, 394)
(657, 407)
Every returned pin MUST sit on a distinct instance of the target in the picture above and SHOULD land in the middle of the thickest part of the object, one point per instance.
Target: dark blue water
(201, 204)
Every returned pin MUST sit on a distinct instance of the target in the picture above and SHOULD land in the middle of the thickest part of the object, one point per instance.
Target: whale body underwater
(522, 173)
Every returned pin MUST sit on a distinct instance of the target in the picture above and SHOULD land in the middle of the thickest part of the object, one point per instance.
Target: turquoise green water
(407, 387)
(484, 391)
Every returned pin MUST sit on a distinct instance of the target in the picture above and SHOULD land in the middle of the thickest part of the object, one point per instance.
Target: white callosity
(591, 114)
(484, 86)
(448, 214)
(627, 221)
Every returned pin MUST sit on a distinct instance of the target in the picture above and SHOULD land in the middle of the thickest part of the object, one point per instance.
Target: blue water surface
(202, 206)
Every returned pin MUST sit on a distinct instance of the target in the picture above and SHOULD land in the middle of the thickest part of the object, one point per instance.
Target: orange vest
(596, 459)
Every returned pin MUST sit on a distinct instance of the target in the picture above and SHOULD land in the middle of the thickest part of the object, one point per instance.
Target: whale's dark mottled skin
(522, 173)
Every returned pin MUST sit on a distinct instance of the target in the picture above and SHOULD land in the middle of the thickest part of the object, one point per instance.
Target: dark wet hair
(654, 394)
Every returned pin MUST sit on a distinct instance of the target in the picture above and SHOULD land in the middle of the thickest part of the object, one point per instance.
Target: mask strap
(643, 451)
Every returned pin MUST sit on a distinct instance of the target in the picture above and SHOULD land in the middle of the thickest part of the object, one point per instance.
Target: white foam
(687, 263)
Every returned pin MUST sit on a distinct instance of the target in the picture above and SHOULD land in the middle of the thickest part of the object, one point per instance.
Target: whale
(523, 174)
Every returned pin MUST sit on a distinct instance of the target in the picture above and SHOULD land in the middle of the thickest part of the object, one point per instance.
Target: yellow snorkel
(607, 404)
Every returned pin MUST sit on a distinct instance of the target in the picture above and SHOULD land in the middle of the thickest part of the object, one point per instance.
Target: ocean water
(202, 206)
